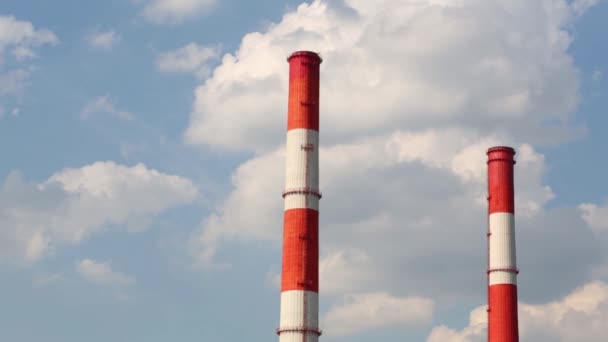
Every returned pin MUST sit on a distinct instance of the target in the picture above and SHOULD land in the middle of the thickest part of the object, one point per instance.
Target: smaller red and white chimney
(502, 266)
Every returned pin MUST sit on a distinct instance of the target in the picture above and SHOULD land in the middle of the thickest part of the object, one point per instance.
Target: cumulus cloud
(430, 179)
(406, 64)
(475, 332)
(74, 204)
(376, 310)
(175, 11)
(595, 216)
(104, 105)
(580, 316)
(424, 212)
(22, 37)
(346, 271)
(103, 40)
(101, 273)
(192, 58)
(580, 6)
(47, 279)
(532, 195)
(413, 94)
(13, 82)
(232, 220)
(22, 53)
(597, 75)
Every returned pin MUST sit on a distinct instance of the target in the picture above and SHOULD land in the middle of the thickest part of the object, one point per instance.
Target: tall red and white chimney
(502, 266)
(299, 321)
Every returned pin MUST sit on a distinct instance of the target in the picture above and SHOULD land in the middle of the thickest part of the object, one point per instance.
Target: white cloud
(398, 64)
(192, 58)
(130, 151)
(234, 217)
(580, 316)
(581, 6)
(13, 82)
(346, 271)
(22, 37)
(22, 53)
(595, 216)
(102, 273)
(46, 279)
(353, 168)
(103, 40)
(368, 311)
(104, 105)
(597, 75)
(532, 195)
(474, 332)
(424, 211)
(74, 204)
(175, 11)
(408, 109)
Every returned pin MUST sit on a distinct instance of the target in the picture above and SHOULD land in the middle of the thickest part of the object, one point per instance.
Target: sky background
(142, 147)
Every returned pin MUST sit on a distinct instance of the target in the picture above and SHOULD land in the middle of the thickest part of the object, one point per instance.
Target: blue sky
(143, 166)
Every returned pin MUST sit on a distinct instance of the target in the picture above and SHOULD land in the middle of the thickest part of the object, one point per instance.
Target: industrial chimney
(502, 266)
(299, 321)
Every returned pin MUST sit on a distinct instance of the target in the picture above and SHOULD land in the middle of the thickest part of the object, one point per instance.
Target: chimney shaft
(300, 270)
(502, 266)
